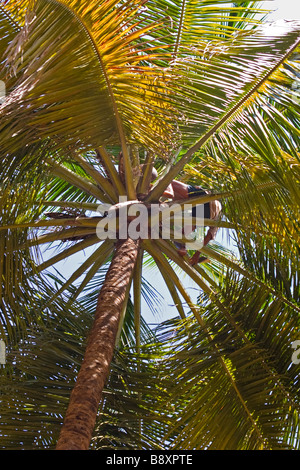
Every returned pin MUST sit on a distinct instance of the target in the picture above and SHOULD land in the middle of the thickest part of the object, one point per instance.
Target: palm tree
(99, 93)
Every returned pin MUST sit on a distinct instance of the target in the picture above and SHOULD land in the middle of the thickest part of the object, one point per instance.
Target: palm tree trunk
(81, 415)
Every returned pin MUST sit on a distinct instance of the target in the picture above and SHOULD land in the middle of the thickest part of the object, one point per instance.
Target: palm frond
(203, 366)
(188, 26)
(218, 91)
(59, 106)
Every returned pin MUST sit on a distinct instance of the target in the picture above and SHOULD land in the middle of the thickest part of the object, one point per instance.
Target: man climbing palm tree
(212, 210)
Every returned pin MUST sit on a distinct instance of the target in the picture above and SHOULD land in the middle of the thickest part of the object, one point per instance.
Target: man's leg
(184, 191)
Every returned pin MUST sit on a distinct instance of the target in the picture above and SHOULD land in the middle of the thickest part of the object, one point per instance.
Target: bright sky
(283, 9)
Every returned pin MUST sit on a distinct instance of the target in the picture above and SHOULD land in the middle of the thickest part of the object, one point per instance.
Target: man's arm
(169, 192)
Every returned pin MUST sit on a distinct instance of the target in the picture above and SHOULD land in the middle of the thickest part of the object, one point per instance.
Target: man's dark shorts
(192, 192)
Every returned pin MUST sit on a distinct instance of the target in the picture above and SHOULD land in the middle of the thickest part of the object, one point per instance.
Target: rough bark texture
(81, 415)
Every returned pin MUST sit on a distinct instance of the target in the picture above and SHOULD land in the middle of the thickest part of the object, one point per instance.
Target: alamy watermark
(2, 92)
(2, 353)
(296, 354)
(135, 220)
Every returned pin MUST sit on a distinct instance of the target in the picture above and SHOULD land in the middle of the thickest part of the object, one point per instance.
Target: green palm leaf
(251, 372)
